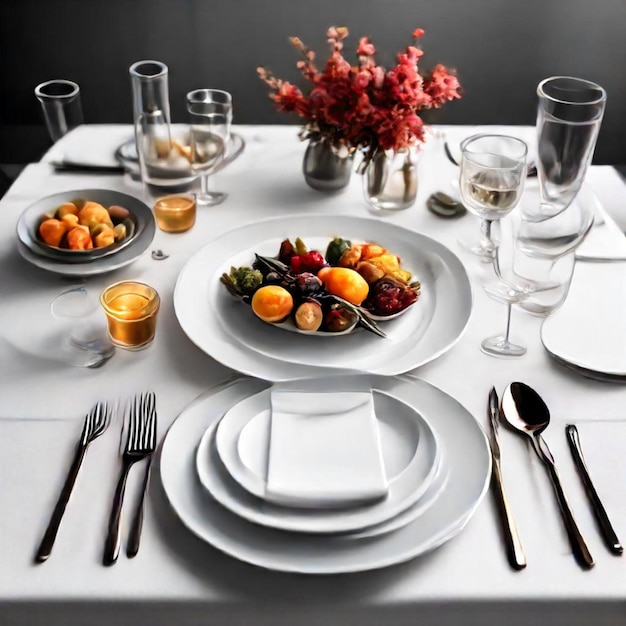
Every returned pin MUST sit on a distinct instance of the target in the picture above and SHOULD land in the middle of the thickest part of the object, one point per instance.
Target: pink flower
(364, 106)
(365, 47)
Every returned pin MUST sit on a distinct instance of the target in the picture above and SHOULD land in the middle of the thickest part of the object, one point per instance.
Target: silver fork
(135, 530)
(96, 422)
(140, 442)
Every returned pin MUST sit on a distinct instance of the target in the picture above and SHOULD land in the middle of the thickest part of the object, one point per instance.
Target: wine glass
(493, 169)
(533, 266)
(569, 116)
(210, 113)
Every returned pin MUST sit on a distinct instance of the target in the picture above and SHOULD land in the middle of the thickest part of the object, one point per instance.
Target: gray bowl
(28, 223)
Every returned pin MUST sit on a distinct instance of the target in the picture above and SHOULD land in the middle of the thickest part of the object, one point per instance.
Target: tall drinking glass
(569, 116)
(210, 113)
(493, 169)
(61, 106)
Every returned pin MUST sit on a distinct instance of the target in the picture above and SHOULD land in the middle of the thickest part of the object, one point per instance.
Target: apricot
(103, 235)
(52, 231)
(345, 283)
(70, 220)
(93, 213)
(79, 239)
(67, 208)
(272, 303)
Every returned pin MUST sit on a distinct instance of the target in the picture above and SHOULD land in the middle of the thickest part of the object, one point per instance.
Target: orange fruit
(272, 303)
(345, 283)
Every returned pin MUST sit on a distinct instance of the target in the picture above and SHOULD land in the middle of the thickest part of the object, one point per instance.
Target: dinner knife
(514, 549)
(606, 529)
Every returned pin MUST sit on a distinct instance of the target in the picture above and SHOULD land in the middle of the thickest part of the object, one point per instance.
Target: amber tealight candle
(131, 309)
(175, 213)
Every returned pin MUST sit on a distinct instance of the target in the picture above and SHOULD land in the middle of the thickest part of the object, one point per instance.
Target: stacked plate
(140, 227)
(228, 331)
(220, 462)
(595, 350)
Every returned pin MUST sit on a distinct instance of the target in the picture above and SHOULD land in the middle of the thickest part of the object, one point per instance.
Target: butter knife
(514, 550)
(606, 529)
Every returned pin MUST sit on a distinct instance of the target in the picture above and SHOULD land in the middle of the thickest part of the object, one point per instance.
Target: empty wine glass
(493, 169)
(569, 116)
(210, 114)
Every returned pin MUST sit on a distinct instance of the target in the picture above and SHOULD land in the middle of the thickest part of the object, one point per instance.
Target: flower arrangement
(363, 106)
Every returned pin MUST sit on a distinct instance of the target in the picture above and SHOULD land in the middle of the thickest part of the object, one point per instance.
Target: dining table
(179, 579)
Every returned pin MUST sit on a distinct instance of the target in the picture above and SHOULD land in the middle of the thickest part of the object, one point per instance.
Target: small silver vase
(323, 169)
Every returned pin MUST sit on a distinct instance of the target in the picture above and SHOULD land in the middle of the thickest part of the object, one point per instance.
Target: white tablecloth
(178, 580)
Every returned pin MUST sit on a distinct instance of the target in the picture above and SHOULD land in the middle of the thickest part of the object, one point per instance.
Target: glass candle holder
(175, 213)
(131, 309)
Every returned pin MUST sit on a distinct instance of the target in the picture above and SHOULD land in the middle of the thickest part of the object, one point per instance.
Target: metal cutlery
(137, 524)
(140, 443)
(606, 529)
(96, 422)
(515, 551)
(88, 168)
(527, 413)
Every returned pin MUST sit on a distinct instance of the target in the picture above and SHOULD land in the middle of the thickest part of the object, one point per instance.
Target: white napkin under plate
(324, 450)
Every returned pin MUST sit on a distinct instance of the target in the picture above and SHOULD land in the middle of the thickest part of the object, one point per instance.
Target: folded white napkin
(324, 450)
(91, 144)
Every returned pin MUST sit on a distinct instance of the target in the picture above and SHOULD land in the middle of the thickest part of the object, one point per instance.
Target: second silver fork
(140, 443)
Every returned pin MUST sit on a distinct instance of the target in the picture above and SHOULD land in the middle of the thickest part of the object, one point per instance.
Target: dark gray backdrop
(500, 48)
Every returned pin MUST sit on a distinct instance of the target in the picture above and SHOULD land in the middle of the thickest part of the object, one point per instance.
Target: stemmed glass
(210, 114)
(493, 169)
(569, 116)
(533, 266)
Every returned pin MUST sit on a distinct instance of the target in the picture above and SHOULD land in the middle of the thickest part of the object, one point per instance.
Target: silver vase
(323, 169)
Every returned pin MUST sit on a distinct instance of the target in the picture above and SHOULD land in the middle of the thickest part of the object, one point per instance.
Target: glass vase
(161, 165)
(324, 169)
(390, 180)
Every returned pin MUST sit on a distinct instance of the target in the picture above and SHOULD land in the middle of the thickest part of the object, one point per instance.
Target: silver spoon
(527, 413)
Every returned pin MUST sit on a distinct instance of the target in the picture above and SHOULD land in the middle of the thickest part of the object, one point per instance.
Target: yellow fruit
(345, 283)
(272, 303)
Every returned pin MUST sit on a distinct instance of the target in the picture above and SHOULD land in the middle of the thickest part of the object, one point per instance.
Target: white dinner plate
(434, 325)
(125, 256)
(406, 484)
(589, 330)
(464, 446)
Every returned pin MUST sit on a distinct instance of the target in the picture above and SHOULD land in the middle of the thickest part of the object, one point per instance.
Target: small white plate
(589, 330)
(409, 486)
(408, 443)
(464, 445)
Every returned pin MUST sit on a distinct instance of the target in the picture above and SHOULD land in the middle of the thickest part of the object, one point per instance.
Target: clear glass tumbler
(569, 116)
(61, 106)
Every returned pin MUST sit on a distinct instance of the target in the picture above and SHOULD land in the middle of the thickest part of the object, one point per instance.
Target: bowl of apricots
(80, 226)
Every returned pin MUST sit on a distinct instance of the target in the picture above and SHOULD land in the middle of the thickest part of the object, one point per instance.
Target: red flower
(364, 106)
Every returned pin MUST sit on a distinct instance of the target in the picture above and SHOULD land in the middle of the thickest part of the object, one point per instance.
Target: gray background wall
(500, 48)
